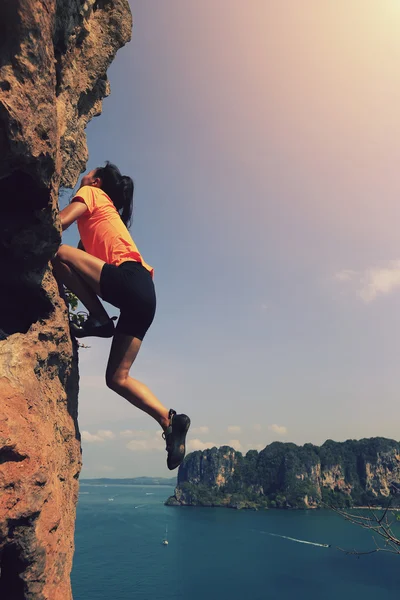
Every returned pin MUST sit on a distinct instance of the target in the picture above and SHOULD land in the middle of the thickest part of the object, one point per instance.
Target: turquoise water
(218, 553)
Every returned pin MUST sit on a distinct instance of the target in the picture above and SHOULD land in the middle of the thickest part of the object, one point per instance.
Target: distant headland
(131, 481)
(283, 475)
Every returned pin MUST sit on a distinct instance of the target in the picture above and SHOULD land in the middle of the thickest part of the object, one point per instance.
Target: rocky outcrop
(53, 61)
(351, 473)
(214, 468)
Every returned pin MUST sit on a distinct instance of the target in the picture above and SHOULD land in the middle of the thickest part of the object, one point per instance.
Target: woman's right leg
(124, 350)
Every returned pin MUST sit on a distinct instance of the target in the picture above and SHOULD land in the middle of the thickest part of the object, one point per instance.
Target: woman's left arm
(71, 213)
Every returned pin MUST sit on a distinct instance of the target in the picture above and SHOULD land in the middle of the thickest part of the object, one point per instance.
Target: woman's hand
(71, 213)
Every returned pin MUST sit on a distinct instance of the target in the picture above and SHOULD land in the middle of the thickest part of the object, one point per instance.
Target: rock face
(53, 61)
(352, 473)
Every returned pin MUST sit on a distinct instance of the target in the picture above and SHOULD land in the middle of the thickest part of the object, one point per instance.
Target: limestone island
(354, 473)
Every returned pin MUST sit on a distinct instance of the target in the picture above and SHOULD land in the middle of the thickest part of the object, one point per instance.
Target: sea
(219, 553)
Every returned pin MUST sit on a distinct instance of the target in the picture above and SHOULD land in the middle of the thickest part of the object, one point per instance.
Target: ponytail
(119, 188)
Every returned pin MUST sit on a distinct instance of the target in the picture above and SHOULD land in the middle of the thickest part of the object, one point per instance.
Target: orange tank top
(102, 231)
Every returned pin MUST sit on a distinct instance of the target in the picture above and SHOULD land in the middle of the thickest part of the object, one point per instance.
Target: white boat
(165, 540)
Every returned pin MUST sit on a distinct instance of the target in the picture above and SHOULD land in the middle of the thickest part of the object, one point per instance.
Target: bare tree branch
(379, 525)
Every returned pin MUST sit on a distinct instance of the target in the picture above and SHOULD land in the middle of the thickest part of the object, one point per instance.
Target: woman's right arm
(71, 213)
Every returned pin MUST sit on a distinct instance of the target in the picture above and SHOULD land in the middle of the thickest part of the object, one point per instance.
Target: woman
(108, 264)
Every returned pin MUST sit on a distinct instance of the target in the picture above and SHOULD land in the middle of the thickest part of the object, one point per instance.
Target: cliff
(283, 475)
(54, 55)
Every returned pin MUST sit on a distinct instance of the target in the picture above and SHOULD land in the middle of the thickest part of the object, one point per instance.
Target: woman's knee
(62, 253)
(60, 268)
(115, 380)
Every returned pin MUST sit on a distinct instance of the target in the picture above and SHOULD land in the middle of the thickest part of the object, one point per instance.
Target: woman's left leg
(87, 266)
(123, 352)
(66, 275)
(81, 273)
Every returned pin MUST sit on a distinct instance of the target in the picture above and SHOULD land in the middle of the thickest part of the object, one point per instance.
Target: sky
(264, 140)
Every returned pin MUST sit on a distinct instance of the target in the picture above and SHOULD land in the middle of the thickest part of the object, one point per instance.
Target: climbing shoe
(175, 436)
(92, 327)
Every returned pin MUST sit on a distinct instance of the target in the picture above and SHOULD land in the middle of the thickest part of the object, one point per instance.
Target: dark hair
(119, 188)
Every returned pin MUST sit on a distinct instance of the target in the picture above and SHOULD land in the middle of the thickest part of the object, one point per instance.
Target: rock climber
(107, 265)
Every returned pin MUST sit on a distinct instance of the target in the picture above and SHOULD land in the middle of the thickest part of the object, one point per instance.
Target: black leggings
(130, 288)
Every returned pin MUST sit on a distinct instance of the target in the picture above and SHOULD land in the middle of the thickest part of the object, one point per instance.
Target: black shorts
(130, 288)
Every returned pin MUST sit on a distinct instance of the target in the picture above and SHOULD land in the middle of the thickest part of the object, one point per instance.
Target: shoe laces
(81, 312)
(168, 431)
(78, 317)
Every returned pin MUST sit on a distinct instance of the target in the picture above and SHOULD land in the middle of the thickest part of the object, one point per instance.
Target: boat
(165, 540)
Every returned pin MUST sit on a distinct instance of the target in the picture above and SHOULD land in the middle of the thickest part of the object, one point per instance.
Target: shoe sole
(180, 443)
(81, 334)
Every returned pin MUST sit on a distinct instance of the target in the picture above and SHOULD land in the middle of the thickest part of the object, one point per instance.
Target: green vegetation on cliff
(283, 475)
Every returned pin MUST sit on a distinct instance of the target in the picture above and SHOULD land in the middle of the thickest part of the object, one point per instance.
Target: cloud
(128, 433)
(197, 444)
(90, 437)
(146, 441)
(200, 430)
(373, 281)
(257, 427)
(146, 445)
(234, 429)
(345, 275)
(279, 429)
(101, 436)
(380, 281)
(257, 447)
(235, 444)
(105, 434)
(105, 468)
